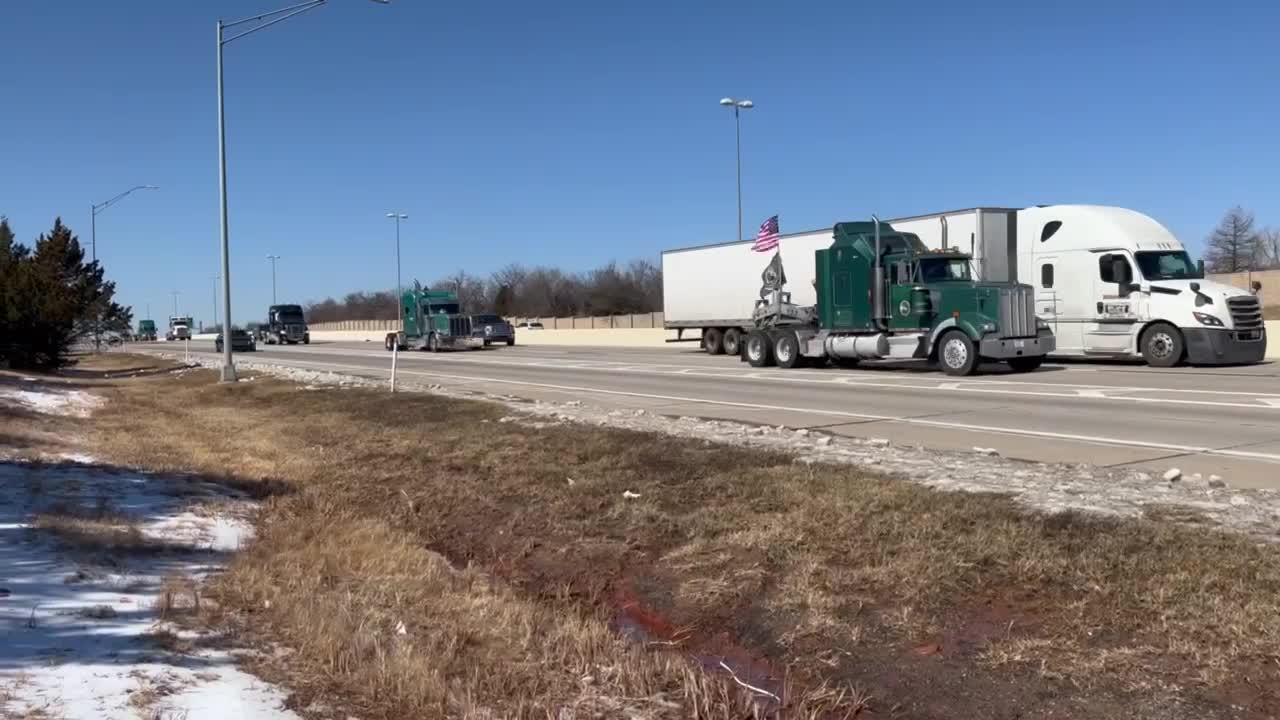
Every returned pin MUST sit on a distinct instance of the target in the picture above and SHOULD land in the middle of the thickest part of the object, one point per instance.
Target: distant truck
(285, 324)
(1110, 282)
(146, 330)
(882, 294)
(179, 328)
(432, 320)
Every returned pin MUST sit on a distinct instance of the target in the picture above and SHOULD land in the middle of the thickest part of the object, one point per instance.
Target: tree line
(51, 299)
(1238, 244)
(520, 291)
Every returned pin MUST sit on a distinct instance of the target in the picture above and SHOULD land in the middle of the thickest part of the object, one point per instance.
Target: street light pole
(398, 216)
(263, 21)
(93, 244)
(738, 106)
(175, 295)
(215, 299)
(273, 259)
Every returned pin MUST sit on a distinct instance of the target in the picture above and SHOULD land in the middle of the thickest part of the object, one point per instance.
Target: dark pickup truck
(492, 329)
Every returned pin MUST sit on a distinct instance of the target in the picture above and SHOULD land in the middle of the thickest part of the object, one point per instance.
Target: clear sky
(570, 133)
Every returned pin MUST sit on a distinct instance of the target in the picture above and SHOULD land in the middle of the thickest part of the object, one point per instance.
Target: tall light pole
(263, 21)
(175, 295)
(93, 241)
(273, 259)
(738, 106)
(398, 216)
(215, 299)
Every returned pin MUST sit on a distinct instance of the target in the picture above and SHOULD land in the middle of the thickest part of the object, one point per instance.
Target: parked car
(529, 326)
(492, 329)
(241, 341)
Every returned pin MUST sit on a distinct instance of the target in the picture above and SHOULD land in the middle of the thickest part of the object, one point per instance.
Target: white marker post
(186, 351)
(395, 353)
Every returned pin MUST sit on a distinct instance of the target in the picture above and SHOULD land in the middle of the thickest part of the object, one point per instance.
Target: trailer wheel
(957, 354)
(786, 349)
(1162, 345)
(759, 349)
(713, 341)
(732, 338)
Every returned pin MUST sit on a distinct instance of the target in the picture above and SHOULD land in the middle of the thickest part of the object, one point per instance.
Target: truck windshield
(1167, 265)
(290, 317)
(944, 269)
(486, 318)
(446, 309)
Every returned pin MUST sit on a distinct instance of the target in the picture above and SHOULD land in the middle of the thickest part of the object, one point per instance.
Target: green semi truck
(432, 320)
(882, 294)
(146, 330)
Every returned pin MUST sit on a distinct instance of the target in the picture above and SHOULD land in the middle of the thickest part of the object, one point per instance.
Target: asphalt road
(1223, 421)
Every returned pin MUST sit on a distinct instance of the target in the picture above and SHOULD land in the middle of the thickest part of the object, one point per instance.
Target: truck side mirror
(1120, 271)
(1195, 287)
(1200, 267)
(1256, 285)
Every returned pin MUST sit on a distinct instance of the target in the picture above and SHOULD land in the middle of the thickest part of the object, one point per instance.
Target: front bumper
(461, 342)
(1005, 348)
(1223, 347)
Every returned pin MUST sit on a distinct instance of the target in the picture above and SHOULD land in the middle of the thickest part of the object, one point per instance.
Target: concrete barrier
(619, 337)
(635, 337)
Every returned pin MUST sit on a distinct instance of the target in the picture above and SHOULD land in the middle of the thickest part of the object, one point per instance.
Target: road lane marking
(967, 427)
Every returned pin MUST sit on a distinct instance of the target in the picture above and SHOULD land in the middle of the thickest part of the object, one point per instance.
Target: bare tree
(1269, 244)
(1234, 245)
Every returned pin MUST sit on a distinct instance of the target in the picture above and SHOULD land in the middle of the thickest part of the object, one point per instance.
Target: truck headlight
(988, 327)
(1207, 319)
(1041, 324)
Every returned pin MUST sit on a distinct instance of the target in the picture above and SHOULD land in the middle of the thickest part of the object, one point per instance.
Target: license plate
(1019, 344)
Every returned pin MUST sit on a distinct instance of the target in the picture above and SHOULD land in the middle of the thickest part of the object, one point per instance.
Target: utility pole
(273, 259)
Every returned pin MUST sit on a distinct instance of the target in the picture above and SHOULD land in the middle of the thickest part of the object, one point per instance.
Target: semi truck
(432, 320)
(146, 330)
(179, 328)
(285, 324)
(1110, 282)
(881, 294)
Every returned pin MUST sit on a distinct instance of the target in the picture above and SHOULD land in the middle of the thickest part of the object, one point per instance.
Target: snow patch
(52, 400)
(76, 623)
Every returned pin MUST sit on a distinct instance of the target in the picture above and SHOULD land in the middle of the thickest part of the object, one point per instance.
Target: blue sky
(570, 133)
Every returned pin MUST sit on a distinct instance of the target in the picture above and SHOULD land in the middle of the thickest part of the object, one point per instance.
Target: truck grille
(1017, 312)
(1246, 312)
(460, 326)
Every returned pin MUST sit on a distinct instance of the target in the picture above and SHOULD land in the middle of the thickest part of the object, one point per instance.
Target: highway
(1223, 421)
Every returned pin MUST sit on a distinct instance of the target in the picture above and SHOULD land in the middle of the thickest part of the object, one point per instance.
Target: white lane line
(987, 387)
(864, 377)
(968, 427)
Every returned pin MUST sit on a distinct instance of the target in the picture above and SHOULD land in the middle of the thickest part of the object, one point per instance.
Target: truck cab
(146, 329)
(179, 328)
(285, 324)
(432, 320)
(1115, 283)
(882, 295)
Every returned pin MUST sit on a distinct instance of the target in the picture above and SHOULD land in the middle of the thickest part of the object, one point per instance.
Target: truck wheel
(389, 343)
(732, 338)
(1026, 364)
(433, 343)
(511, 341)
(1162, 345)
(306, 339)
(957, 354)
(713, 341)
(786, 349)
(759, 349)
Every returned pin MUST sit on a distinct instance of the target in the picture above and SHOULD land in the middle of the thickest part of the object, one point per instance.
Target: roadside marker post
(395, 352)
(186, 351)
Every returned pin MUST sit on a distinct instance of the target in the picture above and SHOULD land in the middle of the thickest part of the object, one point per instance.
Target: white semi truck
(1111, 283)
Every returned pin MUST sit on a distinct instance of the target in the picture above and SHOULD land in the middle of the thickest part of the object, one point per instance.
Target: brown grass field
(420, 559)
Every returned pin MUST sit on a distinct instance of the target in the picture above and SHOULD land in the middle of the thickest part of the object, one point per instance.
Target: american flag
(767, 238)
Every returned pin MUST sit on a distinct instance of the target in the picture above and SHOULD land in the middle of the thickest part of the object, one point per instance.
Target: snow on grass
(52, 400)
(96, 567)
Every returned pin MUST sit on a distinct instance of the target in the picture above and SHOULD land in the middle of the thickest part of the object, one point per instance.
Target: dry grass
(830, 572)
(1271, 312)
(90, 531)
